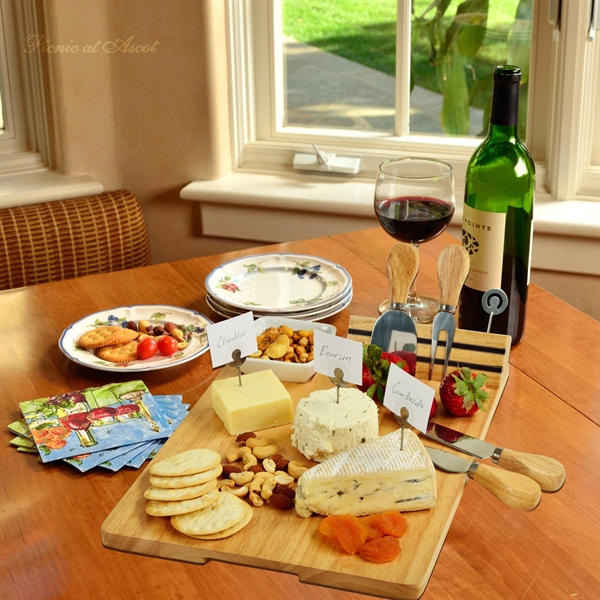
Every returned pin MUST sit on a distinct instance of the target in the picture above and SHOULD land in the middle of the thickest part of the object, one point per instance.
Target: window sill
(268, 207)
(33, 187)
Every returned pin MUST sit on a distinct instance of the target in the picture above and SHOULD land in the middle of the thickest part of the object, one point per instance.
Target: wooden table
(51, 514)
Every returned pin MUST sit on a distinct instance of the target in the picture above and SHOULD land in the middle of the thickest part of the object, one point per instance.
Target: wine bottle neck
(498, 133)
(505, 104)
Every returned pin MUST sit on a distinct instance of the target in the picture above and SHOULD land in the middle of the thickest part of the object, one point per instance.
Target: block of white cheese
(259, 403)
(372, 478)
(324, 426)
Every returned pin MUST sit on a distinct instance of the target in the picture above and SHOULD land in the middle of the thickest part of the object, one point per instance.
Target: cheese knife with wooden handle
(548, 472)
(452, 268)
(514, 489)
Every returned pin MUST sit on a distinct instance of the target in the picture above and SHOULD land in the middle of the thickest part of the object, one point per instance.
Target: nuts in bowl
(285, 346)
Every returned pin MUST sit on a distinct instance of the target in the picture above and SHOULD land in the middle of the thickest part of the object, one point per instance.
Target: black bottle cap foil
(505, 99)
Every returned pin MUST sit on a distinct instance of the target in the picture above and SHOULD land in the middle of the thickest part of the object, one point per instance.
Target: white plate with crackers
(189, 323)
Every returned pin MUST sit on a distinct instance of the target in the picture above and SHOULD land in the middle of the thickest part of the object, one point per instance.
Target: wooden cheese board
(281, 540)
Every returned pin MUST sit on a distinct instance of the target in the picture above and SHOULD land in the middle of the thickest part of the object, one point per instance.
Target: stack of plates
(294, 286)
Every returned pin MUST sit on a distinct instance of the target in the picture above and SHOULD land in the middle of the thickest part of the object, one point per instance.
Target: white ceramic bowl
(292, 372)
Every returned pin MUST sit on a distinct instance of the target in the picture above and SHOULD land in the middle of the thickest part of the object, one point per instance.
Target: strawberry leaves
(376, 368)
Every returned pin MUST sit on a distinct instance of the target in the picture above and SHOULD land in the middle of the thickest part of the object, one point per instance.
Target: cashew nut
(263, 475)
(257, 441)
(256, 499)
(283, 478)
(264, 451)
(242, 478)
(249, 460)
(237, 453)
(269, 465)
(256, 485)
(295, 469)
(240, 491)
(267, 489)
(225, 483)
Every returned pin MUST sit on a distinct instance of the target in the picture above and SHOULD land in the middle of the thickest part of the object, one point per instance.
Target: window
(562, 100)
(24, 139)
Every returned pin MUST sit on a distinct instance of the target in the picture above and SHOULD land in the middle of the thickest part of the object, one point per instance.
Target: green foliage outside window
(454, 45)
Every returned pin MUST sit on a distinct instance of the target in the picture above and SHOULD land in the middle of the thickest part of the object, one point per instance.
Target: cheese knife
(452, 268)
(514, 489)
(547, 472)
(394, 329)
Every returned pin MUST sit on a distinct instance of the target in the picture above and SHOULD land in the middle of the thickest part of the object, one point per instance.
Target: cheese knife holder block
(283, 541)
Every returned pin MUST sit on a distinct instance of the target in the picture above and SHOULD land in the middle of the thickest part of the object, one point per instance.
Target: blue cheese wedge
(371, 478)
(326, 424)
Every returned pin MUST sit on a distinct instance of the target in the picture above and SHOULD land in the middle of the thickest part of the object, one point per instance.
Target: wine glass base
(421, 309)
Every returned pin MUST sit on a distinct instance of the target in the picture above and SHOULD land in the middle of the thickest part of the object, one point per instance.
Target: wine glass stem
(413, 299)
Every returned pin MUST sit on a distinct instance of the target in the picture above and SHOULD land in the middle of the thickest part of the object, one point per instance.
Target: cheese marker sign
(405, 391)
(332, 352)
(238, 333)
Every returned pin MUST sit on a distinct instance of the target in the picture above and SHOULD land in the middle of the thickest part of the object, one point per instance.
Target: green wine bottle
(498, 219)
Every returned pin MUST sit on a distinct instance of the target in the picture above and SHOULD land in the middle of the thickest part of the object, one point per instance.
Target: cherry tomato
(167, 345)
(147, 348)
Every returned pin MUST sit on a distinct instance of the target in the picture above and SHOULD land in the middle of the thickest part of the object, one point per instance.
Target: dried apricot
(347, 529)
(326, 527)
(392, 523)
(380, 550)
(370, 524)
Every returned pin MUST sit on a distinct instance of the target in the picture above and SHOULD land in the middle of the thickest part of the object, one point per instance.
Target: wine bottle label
(483, 238)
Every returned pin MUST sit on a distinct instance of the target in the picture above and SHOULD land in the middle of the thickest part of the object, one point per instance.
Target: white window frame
(25, 142)
(27, 170)
(258, 144)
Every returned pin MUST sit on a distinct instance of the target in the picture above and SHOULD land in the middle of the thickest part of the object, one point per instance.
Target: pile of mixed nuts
(256, 470)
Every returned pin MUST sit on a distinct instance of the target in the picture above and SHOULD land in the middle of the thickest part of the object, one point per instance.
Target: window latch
(327, 162)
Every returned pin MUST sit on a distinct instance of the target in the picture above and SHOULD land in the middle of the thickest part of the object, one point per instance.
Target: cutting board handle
(514, 489)
(452, 269)
(402, 269)
(548, 472)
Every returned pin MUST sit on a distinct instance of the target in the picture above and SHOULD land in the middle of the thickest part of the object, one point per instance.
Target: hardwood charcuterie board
(281, 540)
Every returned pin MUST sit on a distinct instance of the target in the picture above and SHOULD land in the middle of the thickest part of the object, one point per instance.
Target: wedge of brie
(371, 478)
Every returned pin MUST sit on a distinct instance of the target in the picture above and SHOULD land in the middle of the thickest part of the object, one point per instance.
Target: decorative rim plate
(278, 283)
(192, 323)
(314, 315)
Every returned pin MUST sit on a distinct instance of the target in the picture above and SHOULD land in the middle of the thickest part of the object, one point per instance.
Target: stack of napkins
(113, 426)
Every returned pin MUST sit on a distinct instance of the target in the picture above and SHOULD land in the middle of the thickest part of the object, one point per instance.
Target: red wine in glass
(414, 219)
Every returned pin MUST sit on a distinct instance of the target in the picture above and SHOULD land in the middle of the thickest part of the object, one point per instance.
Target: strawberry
(376, 367)
(463, 393)
(433, 410)
(410, 358)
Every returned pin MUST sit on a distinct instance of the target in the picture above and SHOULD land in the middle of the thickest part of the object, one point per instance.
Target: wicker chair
(71, 238)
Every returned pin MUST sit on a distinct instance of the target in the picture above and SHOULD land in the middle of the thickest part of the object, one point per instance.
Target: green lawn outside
(364, 31)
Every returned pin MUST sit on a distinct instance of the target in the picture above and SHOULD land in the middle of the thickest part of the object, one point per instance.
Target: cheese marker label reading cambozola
(483, 238)
(405, 391)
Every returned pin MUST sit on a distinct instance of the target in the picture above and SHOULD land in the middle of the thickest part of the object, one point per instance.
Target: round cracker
(184, 493)
(188, 462)
(230, 530)
(122, 353)
(182, 481)
(106, 335)
(160, 508)
(228, 510)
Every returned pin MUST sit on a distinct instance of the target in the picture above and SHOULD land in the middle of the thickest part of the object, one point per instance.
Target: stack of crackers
(184, 488)
(111, 343)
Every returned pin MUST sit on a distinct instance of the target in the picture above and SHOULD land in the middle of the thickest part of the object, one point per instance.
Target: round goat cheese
(324, 426)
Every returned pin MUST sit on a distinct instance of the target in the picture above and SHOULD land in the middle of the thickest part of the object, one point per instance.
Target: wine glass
(414, 203)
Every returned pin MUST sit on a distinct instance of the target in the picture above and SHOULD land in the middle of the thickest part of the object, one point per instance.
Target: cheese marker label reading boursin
(333, 352)
(402, 390)
(238, 333)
